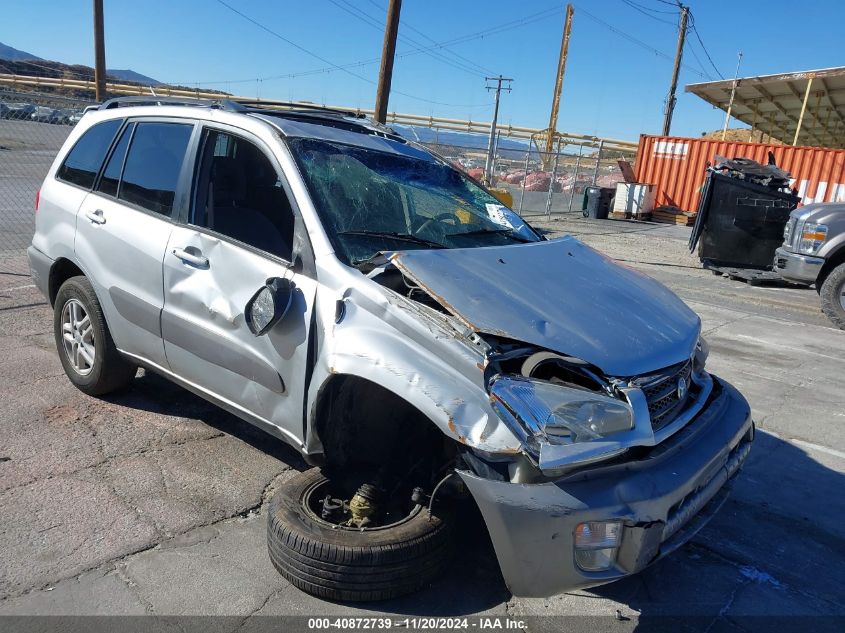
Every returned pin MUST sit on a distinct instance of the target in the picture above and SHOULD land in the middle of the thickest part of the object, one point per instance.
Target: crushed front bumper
(662, 500)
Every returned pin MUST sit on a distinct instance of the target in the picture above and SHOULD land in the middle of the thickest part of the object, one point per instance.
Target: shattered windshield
(372, 201)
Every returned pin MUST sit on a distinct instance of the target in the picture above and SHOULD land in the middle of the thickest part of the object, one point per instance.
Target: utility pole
(561, 69)
(99, 52)
(491, 145)
(670, 99)
(731, 102)
(385, 75)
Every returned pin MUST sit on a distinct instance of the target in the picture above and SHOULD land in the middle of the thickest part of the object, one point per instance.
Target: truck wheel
(86, 349)
(349, 563)
(833, 296)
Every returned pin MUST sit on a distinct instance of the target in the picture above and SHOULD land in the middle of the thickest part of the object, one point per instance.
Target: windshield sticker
(500, 214)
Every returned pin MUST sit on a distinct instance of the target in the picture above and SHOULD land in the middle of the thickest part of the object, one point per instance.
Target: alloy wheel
(78, 337)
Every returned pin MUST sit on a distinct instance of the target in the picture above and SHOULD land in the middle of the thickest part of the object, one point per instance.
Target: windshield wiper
(395, 235)
(501, 231)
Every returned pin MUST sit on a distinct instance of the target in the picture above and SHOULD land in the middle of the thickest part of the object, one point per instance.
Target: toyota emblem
(682, 388)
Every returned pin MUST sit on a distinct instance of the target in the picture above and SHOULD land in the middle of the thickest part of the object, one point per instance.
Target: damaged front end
(567, 414)
(625, 442)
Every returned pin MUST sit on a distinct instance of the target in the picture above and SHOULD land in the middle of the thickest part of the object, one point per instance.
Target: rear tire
(344, 564)
(832, 295)
(78, 322)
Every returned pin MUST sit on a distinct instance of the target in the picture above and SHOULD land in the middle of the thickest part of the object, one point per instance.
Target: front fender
(394, 343)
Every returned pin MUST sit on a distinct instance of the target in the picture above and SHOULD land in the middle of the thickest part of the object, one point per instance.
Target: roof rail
(222, 104)
(286, 106)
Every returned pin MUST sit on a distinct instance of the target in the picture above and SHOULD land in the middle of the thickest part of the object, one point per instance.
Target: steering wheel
(440, 217)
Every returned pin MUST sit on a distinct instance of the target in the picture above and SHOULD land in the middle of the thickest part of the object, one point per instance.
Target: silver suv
(352, 294)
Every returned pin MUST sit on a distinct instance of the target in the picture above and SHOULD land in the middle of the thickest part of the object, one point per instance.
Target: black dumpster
(598, 202)
(743, 210)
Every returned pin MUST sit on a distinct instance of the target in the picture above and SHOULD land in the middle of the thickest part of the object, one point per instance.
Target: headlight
(545, 413)
(812, 237)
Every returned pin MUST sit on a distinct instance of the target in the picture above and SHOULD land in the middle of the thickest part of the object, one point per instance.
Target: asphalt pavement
(152, 501)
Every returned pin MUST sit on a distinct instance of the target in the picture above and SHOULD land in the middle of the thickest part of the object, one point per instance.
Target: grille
(661, 393)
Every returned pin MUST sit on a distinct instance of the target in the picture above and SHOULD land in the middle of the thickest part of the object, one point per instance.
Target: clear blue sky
(613, 86)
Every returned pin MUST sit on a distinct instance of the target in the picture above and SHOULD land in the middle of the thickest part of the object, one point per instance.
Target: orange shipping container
(676, 165)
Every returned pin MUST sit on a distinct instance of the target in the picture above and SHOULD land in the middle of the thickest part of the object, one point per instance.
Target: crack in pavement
(120, 571)
(111, 458)
(736, 560)
(111, 564)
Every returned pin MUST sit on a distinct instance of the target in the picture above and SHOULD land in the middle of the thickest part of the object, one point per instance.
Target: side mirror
(269, 305)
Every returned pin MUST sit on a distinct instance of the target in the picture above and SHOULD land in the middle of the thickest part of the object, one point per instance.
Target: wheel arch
(61, 270)
(353, 415)
(832, 261)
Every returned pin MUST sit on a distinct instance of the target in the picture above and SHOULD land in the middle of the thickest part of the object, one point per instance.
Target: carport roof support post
(803, 108)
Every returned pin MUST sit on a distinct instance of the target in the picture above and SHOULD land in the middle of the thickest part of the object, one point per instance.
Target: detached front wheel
(329, 557)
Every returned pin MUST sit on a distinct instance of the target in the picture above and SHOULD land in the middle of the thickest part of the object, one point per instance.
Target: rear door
(237, 235)
(123, 227)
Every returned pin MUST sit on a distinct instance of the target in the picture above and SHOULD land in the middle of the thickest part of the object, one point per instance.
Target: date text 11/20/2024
(415, 624)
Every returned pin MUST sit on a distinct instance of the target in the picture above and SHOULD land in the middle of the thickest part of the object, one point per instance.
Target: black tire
(110, 371)
(831, 296)
(347, 565)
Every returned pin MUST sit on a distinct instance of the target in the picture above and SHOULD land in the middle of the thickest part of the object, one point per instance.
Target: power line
(645, 8)
(326, 61)
(495, 30)
(700, 65)
(366, 18)
(704, 48)
(646, 13)
(433, 41)
(639, 42)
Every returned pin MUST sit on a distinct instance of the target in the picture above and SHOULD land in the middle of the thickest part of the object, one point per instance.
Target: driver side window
(239, 194)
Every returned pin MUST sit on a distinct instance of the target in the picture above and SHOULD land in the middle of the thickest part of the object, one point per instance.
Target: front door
(238, 235)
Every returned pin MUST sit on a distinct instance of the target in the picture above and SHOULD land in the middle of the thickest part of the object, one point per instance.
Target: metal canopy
(800, 108)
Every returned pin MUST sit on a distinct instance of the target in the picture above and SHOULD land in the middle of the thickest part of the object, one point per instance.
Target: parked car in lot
(19, 111)
(354, 295)
(813, 252)
(74, 116)
(44, 114)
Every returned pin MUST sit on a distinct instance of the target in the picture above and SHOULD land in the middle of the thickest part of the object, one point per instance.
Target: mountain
(13, 54)
(131, 75)
(510, 148)
(10, 54)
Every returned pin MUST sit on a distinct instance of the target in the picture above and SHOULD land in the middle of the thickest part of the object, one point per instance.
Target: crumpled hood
(561, 295)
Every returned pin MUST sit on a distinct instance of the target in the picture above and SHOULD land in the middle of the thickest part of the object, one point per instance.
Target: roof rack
(222, 104)
(288, 106)
(335, 117)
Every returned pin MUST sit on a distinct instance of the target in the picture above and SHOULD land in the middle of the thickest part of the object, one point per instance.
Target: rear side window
(152, 166)
(84, 160)
(111, 174)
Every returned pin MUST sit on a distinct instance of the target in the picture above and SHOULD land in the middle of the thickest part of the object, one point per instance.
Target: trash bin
(743, 210)
(598, 202)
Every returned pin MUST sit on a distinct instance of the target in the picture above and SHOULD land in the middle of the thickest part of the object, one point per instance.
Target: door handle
(194, 259)
(96, 217)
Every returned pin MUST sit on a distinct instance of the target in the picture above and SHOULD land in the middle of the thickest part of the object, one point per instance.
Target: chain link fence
(540, 183)
(33, 127)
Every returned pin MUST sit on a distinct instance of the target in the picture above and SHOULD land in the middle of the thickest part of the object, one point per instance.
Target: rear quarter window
(82, 163)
